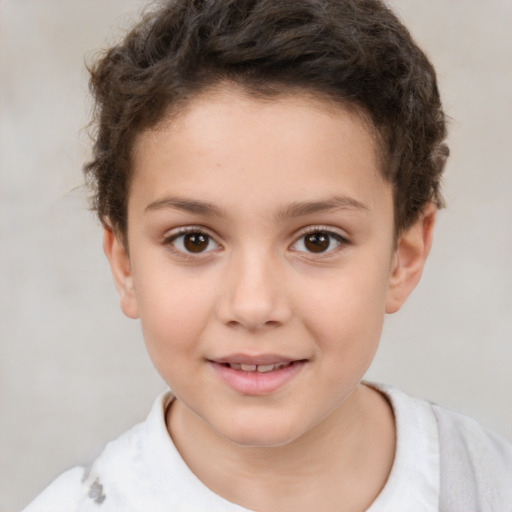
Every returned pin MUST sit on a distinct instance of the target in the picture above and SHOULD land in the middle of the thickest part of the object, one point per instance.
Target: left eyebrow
(300, 208)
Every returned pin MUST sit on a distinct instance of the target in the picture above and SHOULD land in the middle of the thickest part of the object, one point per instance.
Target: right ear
(120, 265)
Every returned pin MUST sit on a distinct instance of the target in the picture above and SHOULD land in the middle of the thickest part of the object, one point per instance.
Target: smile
(257, 376)
(262, 368)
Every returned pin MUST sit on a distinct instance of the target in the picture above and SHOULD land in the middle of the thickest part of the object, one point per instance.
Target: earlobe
(120, 266)
(409, 259)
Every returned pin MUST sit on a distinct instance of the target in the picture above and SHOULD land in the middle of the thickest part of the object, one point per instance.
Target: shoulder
(61, 495)
(475, 463)
(118, 472)
(83, 488)
(475, 440)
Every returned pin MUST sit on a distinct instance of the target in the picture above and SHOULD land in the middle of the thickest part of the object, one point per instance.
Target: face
(261, 261)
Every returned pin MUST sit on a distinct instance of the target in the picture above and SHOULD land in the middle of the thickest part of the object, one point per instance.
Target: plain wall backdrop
(74, 372)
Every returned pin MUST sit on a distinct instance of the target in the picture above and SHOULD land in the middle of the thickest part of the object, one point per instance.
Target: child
(267, 175)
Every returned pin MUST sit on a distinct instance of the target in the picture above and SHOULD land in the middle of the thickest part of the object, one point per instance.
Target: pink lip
(253, 382)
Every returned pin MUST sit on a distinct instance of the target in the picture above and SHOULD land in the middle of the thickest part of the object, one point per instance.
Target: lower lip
(257, 383)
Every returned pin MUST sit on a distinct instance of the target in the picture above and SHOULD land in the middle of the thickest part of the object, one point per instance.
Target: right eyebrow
(186, 205)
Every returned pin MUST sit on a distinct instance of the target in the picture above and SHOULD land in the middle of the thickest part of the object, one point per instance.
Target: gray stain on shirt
(96, 492)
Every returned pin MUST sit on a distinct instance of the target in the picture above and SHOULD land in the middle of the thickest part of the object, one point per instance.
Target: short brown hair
(355, 52)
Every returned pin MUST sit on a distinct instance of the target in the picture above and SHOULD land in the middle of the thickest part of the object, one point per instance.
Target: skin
(255, 177)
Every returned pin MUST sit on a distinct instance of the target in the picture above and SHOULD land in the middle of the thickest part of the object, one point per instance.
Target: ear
(120, 266)
(409, 259)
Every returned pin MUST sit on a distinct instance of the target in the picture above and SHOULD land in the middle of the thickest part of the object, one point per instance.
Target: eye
(192, 242)
(318, 241)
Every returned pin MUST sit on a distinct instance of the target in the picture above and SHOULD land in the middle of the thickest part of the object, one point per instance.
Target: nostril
(253, 327)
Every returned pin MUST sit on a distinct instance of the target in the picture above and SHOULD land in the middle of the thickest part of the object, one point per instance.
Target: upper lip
(261, 359)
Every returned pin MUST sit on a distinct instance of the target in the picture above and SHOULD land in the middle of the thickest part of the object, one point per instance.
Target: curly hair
(354, 52)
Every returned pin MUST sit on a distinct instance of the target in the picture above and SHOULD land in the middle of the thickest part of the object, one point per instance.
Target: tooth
(235, 366)
(248, 367)
(265, 367)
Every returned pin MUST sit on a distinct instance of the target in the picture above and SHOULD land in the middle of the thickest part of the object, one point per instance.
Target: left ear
(409, 259)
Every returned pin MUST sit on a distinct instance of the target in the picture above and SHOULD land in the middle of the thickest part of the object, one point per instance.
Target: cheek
(351, 297)
(345, 313)
(172, 325)
(174, 311)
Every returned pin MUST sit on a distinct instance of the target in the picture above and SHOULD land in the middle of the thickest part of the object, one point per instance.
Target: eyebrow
(187, 205)
(295, 209)
(301, 208)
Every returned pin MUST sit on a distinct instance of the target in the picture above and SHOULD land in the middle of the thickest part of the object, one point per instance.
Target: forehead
(225, 144)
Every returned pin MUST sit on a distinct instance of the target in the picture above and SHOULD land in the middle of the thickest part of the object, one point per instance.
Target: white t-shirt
(443, 461)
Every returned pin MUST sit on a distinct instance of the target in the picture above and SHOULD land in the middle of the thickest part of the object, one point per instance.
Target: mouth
(257, 375)
(260, 368)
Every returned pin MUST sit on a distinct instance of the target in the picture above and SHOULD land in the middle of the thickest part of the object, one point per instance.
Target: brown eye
(317, 242)
(193, 242)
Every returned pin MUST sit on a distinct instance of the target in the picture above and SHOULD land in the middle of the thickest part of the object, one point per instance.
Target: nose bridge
(254, 296)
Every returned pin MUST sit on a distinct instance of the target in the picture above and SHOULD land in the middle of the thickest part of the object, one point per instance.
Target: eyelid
(336, 232)
(183, 230)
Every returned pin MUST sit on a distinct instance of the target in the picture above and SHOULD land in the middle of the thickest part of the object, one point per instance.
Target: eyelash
(199, 230)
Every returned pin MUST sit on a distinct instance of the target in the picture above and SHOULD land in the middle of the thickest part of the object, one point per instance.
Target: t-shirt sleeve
(62, 495)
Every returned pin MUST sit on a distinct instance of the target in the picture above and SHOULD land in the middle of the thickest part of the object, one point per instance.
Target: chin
(259, 434)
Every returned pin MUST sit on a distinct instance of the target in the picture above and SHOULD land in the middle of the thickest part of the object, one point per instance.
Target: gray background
(73, 370)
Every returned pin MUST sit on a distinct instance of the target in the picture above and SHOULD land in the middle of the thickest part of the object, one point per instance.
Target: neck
(342, 463)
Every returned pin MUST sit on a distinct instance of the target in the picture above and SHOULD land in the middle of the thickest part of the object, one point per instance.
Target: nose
(254, 296)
